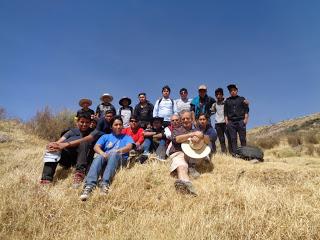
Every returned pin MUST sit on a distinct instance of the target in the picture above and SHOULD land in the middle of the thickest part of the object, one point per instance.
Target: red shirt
(137, 136)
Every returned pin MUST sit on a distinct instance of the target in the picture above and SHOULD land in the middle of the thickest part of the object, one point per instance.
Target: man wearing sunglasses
(183, 103)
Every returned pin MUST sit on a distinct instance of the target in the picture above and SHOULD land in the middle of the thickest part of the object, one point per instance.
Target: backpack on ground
(249, 153)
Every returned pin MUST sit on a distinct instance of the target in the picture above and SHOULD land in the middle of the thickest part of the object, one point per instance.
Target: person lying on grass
(113, 150)
(80, 155)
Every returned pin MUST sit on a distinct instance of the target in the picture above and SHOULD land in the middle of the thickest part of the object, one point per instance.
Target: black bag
(249, 153)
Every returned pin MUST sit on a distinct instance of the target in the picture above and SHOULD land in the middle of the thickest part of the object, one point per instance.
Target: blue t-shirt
(110, 142)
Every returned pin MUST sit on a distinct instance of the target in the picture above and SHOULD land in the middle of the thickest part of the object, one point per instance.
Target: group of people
(180, 130)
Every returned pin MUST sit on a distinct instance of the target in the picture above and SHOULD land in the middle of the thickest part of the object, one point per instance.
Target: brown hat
(85, 100)
(202, 87)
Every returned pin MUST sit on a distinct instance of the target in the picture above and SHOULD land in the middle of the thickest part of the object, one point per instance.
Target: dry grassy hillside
(277, 199)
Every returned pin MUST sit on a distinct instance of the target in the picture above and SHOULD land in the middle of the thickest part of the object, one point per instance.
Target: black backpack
(249, 153)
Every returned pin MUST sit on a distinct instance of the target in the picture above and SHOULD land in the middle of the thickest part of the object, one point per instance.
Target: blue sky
(52, 53)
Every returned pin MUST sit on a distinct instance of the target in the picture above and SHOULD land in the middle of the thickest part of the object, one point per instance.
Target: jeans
(160, 147)
(234, 128)
(80, 156)
(110, 166)
(222, 131)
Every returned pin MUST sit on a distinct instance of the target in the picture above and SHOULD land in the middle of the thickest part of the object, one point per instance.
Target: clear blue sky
(54, 52)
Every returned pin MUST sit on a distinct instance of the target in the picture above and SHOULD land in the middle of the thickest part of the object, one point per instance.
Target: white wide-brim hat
(108, 96)
(195, 152)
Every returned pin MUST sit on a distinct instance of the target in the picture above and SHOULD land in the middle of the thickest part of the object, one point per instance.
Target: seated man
(154, 139)
(80, 155)
(113, 152)
(135, 132)
(180, 161)
(174, 123)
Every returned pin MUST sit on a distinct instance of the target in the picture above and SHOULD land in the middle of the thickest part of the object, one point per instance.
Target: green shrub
(47, 125)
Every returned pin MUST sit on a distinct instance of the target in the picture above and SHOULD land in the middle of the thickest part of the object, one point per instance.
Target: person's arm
(158, 136)
(246, 118)
(148, 134)
(155, 109)
(141, 137)
(225, 112)
(97, 148)
(125, 149)
(74, 143)
(184, 137)
(175, 109)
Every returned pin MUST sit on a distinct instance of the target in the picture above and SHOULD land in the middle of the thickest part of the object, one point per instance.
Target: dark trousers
(234, 128)
(80, 156)
(222, 131)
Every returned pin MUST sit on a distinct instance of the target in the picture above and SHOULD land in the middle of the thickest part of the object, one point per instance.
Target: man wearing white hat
(105, 105)
(188, 145)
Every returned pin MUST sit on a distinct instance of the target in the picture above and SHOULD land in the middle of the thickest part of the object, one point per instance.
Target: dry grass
(278, 199)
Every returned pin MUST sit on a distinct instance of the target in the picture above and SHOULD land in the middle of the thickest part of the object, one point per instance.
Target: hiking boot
(86, 192)
(104, 189)
(185, 187)
(193, 172)
(78, 179)
(142, 158)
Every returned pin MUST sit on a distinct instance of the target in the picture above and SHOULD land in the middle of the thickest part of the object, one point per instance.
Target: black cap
(232, 86)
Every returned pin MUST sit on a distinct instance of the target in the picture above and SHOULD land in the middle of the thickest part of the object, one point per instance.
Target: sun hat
(195, 150)
(124, 98)
(202, 87)
(106, 95)
(85, 100)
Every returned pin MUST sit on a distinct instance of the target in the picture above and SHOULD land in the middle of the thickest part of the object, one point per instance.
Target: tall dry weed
(294, 140)
(48, 125)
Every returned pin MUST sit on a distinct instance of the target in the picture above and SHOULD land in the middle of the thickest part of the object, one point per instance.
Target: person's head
(134, 123)
(109, 115)
(116, 125)
(175, 120)
(219, 94)
(93, 123)
(85, 103)
(83, 122)
(106, 98)
(125, 102)
(166, 91)
(233, 90)
(157, 122)
(183, 93)
(186, 119)
(203, 120)
(142, 97)
(202, 89)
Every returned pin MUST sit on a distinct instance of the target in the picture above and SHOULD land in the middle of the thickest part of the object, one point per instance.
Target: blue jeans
(114, 161)
(159, 147)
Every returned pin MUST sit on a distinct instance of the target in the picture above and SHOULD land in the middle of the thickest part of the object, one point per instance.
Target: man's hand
(245, 121)
(53, 147)
(198, 134)
(246, 101)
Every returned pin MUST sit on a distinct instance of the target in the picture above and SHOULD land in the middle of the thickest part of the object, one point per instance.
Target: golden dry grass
(277, 199)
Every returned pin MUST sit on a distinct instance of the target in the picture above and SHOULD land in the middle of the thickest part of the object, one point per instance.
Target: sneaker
(185, 187)
(254, 161)
(193, 172)
(45, 182)
(78, 179)
(86, 192)
(142, 158)
(104, 189)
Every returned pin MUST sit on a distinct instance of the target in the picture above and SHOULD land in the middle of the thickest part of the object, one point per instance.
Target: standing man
(201, 104)
(105, 105)
(165, 107)
(143, 111)
(236, 115)
(183, 103)
(220, 123)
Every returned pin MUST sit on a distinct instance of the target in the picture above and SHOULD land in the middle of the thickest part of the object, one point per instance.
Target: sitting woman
(113, 152)
(207, 129)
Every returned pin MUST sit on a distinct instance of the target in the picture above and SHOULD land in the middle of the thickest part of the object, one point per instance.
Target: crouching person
(113, 152)
(80, 155)
(180, 159)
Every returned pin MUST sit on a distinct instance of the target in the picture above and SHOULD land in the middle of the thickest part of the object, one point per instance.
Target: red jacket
(137, 136)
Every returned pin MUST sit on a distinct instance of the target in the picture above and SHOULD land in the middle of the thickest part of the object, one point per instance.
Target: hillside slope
(277, 199)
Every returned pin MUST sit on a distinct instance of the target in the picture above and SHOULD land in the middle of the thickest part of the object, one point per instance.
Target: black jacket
(235, 109)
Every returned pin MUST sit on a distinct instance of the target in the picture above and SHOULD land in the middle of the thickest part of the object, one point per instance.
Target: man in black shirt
(236, 114)
(143, 111)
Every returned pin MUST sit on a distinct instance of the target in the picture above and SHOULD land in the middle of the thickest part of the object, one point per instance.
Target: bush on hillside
(311, 138)
(268, 143)
(2, 113)
(294, 140)
(49, 126)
